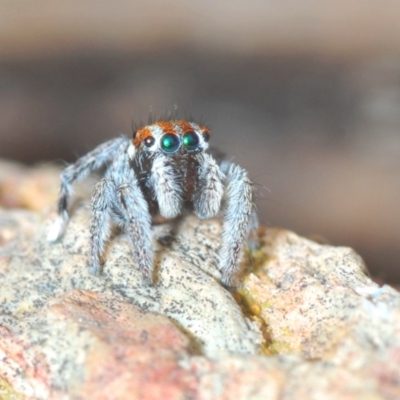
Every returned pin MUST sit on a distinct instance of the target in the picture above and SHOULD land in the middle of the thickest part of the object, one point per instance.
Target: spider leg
(252, 236)
(118, 197)
(137, 225)
(237, 212)
(253, 224)
(102, 201)
(76, 172)
(209, 189)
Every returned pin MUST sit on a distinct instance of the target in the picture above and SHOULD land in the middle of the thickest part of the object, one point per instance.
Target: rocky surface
(24, 187)
(307, 322)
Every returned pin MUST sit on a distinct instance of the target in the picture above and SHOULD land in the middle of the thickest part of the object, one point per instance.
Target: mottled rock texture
(307, 322)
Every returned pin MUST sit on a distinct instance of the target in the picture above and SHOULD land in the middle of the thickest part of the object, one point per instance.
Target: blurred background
(305, 95)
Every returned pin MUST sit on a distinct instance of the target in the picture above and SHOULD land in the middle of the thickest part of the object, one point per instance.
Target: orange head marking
(166, 127)
(185, 126)
(141, 135)
(204, 129)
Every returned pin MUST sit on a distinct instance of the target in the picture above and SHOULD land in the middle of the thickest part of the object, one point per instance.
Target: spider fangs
(164, 169)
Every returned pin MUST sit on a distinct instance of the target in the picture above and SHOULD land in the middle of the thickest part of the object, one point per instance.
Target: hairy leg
(137, 225)
(118, 197)
(252, 232)
(237, 212)
(104, 196)
(77, 171)
(253, 224)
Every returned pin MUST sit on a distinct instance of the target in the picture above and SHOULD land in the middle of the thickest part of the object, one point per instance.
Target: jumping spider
(164, 169)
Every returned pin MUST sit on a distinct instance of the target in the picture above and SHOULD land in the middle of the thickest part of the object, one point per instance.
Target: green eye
(190, 140)
(170, 143)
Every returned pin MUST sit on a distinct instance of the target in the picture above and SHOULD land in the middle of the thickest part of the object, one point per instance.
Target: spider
(164, 170)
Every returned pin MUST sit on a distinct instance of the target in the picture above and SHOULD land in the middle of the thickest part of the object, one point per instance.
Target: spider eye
(170, 143)
(206, 136)
(149, 141)
(190, 140)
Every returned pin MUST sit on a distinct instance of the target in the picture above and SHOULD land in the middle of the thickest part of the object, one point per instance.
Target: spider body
(164, 169)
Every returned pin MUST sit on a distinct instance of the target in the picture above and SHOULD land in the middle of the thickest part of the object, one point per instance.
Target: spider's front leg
(137, 223)
(102, 202)
(239, 220)
(125, 204)
(118, 197)
(76, 172)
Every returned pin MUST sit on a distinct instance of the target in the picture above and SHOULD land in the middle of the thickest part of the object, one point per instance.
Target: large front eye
(191, 140)
(170, 143)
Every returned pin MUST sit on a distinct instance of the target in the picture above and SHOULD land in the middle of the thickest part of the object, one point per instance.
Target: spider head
(170, 138)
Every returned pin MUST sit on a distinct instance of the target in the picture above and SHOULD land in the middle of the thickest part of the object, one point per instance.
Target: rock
(31, 188)
(93, 345)
(307, 321)
(319, 302)
(183, 292)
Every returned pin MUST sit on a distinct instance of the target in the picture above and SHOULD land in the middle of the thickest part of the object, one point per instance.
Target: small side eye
(149, 141)
(206, 136)
(170, 143)
(190, 140)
